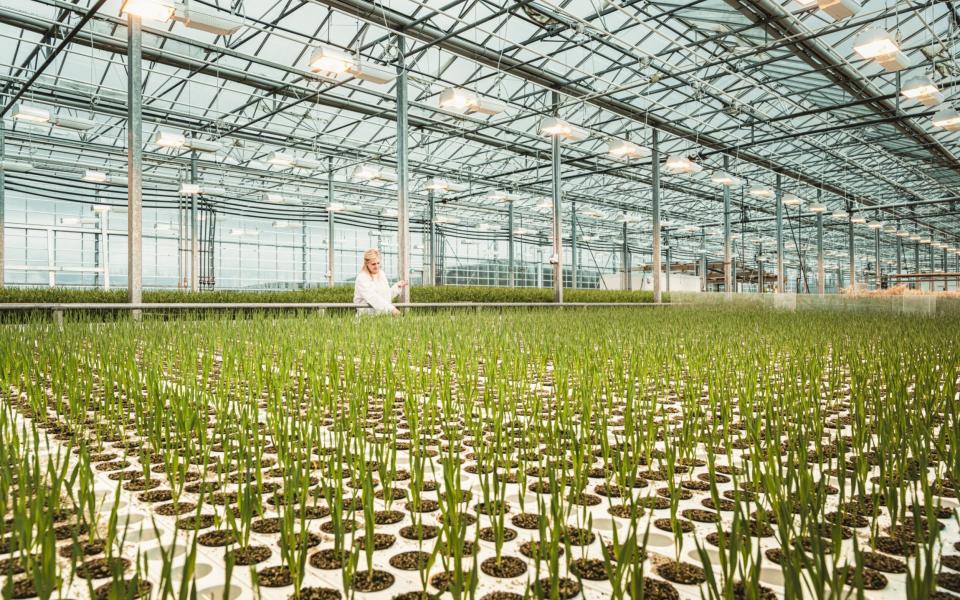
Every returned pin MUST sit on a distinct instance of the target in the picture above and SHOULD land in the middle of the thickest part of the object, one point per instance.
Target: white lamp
(761, 191)
(791, 200)
(922, 89)
(878, 45)
(626, 149)
(557, 127)
(725, 179)
(681, 164)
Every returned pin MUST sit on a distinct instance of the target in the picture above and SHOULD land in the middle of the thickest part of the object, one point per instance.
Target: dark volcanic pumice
(506, 567)
(681, 572)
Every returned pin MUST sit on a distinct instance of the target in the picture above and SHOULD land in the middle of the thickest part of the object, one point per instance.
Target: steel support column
(666, 272)
(916, 263)
(3, 185)
(557, 258)
(876, 259)
(851, 247)
(655, 215)
(511, 268)
(727, 236)
(134, 162)
(625, 259)
(899, 241)
(703, 260)
(194, 234)
(432, 234)
(574, 263)
(781, 276)
(331, 227)
(403, 176)
(821, 267)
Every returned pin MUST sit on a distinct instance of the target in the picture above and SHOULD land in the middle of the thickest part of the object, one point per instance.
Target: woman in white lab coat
(373, 288)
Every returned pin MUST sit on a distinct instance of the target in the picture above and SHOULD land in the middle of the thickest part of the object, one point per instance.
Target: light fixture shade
(445, 220)
(284, 225)
(15, 166)
(278, 198)
(915, 237)
(521, 231)
(153, 10)
(306, 163)
(457, 99)
(557, 127)
(94, 176)
(206, 146)
(761, 191)
(873, 44)
(725, 180)
(890, 229)
(839, 9)
(78, 220)
(31, 114)
(500, 196)
(371, 73)
(326, 59)
(817, 208)
(390, 213)
(840, 215)
(437, 184)
(335, 207)
(169, 139)
(196, 16)
(281, 160)
(679, 163)
(922, 89)
(894, 62)
(189, 189)
(858, 220)
(875, 224)
(75, 123)
(791, 200)
(626, 149)
(947, 118)
(365, 173)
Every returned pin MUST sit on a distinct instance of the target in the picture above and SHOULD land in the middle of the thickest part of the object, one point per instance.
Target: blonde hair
(367, 256)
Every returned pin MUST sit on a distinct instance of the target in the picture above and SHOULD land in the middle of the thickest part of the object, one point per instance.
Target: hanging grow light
(390, 213)
(283, 225)
(875, 224)
(557, 127)
(858, 220)
(817, 208)
(189, 189)
(879, 46)
(37, 115)
(761, 191)
(791, 200)
(521, 231)
(372, 173)
(915, 237)
(445, 220)
(188, 13)
(330, 60)
(94, 176)
(725, 179)
(922, 89)
(441, 185)
(840, 215)
(78, 221)
(464, 101)
(682, 165)
(626, 149)
(279, 159)
(500, 196)
(15, 166)
(947, 118)
(839, 9)
(327, 59)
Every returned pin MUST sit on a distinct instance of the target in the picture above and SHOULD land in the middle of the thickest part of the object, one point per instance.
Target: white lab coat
(375, 291)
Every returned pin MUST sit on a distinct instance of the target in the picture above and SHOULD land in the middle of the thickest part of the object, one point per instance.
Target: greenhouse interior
(472, 299)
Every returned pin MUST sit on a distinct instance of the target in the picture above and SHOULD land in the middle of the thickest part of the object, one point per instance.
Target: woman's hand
(395, 312)
(402, 283)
